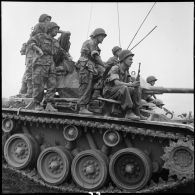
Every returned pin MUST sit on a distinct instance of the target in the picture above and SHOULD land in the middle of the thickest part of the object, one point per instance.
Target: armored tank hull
(79, 153)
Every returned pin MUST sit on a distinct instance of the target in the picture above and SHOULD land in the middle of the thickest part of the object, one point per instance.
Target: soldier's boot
(50, 108)
(131, 115)
(137, 112)
(84, 110)
(38, 107)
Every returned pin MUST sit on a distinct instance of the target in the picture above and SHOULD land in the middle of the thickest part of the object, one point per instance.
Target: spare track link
(66, 187)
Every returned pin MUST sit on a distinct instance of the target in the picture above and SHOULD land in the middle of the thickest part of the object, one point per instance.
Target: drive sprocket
(179, 159)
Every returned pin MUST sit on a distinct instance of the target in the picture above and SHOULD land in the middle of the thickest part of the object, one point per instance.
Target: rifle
(138, 73)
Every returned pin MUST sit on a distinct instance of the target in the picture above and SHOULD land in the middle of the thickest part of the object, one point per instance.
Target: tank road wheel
(89, 169)
(53, 164)
(179, 159)
(7, 125)
(130, 169)
(21, 150)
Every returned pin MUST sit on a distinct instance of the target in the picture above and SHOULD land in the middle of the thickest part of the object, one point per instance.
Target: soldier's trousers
(23, 89)
(29, 64)
(43, 75)
(87, 82)
(128, 96)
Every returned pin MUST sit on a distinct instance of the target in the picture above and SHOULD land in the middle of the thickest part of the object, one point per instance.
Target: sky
(167, 53)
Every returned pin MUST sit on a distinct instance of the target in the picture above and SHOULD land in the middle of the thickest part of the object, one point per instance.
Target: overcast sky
(166, 53)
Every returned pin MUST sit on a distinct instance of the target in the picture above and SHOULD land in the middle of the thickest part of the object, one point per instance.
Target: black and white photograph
(97, 97)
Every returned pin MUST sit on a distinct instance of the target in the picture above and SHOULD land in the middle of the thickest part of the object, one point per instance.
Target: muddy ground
(15, 183)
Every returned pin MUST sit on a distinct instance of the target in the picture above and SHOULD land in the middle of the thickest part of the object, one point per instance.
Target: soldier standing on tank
(44, 67)
(118, 86)
(27, 77)
(91, 68)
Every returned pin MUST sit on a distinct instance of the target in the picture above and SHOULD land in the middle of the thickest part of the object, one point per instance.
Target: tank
(101, 152)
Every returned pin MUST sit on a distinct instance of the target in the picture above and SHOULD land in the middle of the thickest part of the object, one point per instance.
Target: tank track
(152, 186)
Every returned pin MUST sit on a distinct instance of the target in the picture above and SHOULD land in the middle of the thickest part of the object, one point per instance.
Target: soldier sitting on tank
(112, 61)
(115, 58)
(118, 86)
(150, 80)
(44, 67)
(91, 68)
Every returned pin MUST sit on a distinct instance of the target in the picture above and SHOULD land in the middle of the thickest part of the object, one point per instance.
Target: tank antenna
(89, 18)
(141, 25)
(142, 39)
(118, 26)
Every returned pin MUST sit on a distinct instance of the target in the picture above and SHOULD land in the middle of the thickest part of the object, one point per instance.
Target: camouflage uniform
(44, 67)
(112, 61)
(129, 96)
(23, 89)
(89, 71)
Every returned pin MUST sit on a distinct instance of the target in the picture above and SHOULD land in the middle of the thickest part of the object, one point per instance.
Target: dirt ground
(14, 183)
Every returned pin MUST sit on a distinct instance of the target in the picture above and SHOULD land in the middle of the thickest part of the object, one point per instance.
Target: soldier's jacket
(89, 48)
(48, 45)
(112, 61)
(116, 73)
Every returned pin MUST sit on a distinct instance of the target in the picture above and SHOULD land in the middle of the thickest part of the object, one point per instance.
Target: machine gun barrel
(161, 90)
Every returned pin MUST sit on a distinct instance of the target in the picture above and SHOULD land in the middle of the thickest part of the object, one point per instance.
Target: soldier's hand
(136, 83)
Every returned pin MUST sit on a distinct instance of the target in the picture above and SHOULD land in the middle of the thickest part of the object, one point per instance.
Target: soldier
(114, 59)
(118, 86)
(150, 80)
(159, 103)
(44, 67)
(27, 87)
(41, 26)
(91, 68)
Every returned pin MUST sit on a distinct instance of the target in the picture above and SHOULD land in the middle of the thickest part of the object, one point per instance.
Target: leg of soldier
(120, 93)
(123, 94)
(85, 89)
(39, 73)
(136, 98)
(51, 88)
(23, 89)
(29, 77)
(98, 82)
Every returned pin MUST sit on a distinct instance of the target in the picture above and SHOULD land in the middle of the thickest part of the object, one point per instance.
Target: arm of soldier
(34, 43)
(95, 55)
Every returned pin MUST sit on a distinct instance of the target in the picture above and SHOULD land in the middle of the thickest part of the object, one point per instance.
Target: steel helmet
(51, 25)
(115, 49)
(158, 102)
(124, 54)
(43, 16)
(98, 31)
(151, 78)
